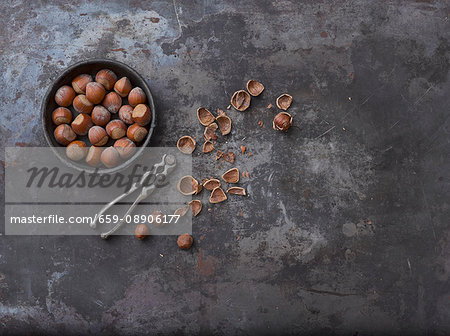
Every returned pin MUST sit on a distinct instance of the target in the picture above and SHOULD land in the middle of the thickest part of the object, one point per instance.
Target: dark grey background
(346, 228)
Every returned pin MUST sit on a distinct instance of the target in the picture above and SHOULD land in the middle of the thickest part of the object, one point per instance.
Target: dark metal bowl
(92, 67)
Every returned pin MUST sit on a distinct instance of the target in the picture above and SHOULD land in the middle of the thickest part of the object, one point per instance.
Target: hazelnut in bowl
(93, 103)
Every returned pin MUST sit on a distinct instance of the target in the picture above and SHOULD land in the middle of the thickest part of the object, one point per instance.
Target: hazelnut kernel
(185, 241)
(142, 231)
(282, 121)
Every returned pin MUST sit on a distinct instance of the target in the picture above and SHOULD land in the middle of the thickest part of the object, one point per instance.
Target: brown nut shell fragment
(217, 195)
(237, 191)
(254, 87)
(211, 184)
(240, 100)
(204, 116)
(208, 146)
(224, 124)
(210, 132)
(231, 176)
(282, 121)
(196, 207)
(186, 144)
(181, 211)
(187, 185)
(284, 101)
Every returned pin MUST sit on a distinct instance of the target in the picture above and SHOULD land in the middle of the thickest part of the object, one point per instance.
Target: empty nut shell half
(236, 191)
(211, 184)
(208, 146)
(284, 101)
(282, 121)
(241, 100)
(231, 176)
(181, 211)
(187, 185)
(217, 195)
(210, 132)
(254, 87)
(224, 124)
(204, 116)
(186, 144)
(196, 207)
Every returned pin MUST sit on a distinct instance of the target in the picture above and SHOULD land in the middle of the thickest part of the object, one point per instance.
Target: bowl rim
(88, 169)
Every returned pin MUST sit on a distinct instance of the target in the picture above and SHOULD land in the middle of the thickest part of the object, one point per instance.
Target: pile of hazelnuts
(107, 108)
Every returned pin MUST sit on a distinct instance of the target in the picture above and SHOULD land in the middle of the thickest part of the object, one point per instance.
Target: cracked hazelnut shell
(100, 116)
(187, 185)
(81, 124)
(61, 115)
(95, 92)
(231, 175)
(112, 102)
(237, 191)
(142, 114)
(186, 144)
(254, 87)
(64, 134)
(64, 95)
(110, 157)
(181, 211)
(136, 96)
(125, 147)
(208, 146)
(141, 231)
(79, 83)
(224, 124)
(284, 101)
(98, 136)
(210, 132)
(76, 150)
(205, 116)
(282, 121)
(93, 156)
(217, 195)
(240, 100)
(123, 87)
(116, 129)
(82, 105)
(107, 78)
(136, 133)
(211, 184)
(185, 241)
(126, 114)
(196, 207)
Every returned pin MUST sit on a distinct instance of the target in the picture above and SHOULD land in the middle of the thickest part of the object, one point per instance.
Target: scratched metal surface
(346, 227)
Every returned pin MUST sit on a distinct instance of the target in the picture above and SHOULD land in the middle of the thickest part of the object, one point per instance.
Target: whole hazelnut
(64, 95)
(112, 102)
(141, 231)
(142, 114)
(126, 114)
(76, 150)
(185, 241)
(107, 78)
(100, 116)
(110, 157)
(136, 133)
(93, 156)
(282, 121)
(116, 129)
(79, 83)
(81, 124)
(64, 134)
(97, 136)
(136, 96)
(123, 87)
(125, 147)
(61, 115)
(95, 92)
(82, 105)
